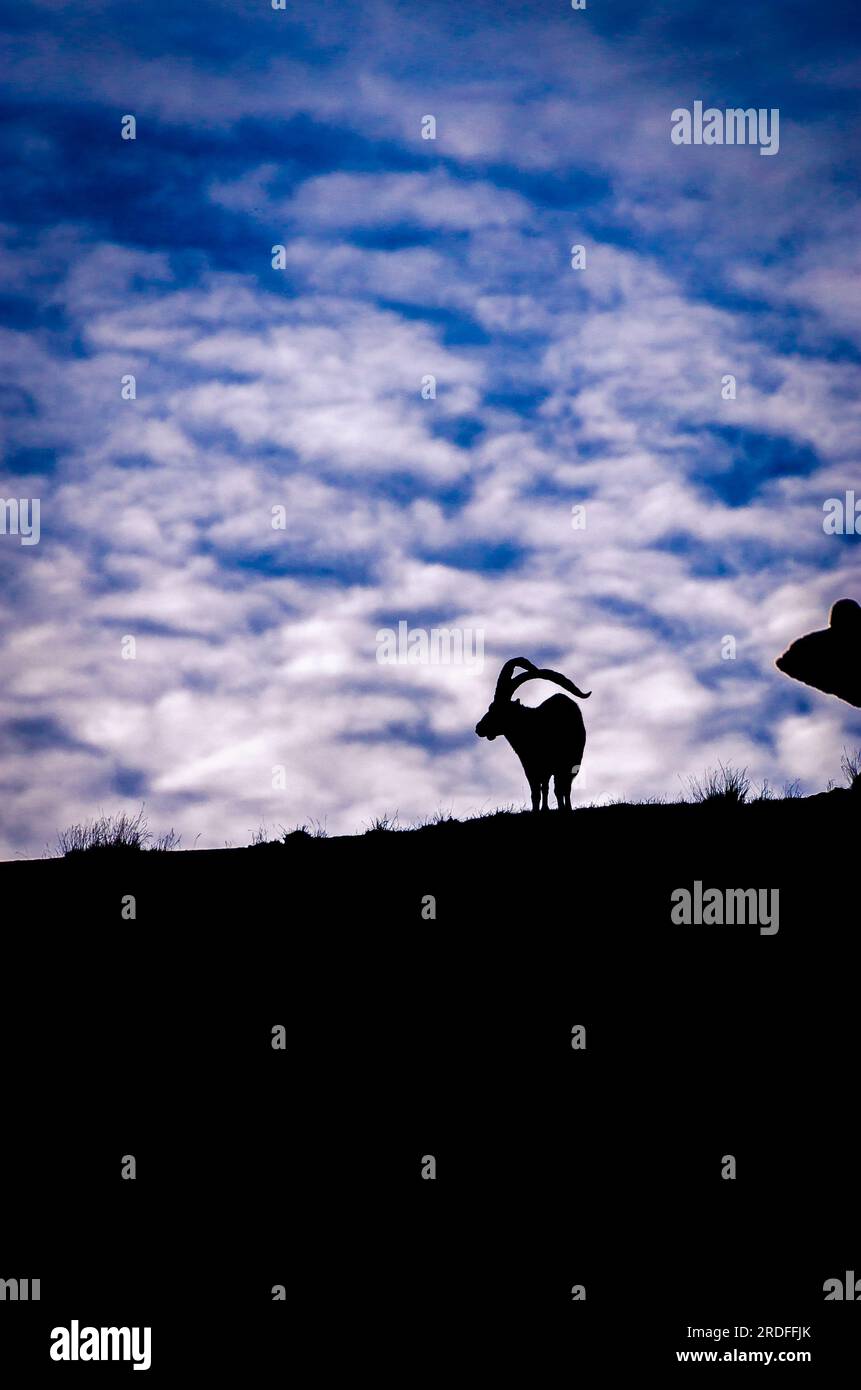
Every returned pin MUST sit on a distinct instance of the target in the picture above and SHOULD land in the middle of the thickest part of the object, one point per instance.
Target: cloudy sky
(300, 388)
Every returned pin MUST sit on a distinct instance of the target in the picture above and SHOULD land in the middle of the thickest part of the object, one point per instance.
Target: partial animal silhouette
(829, 660)
(549, 740)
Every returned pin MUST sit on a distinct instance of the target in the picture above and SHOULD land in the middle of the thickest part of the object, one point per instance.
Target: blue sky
(301, 388)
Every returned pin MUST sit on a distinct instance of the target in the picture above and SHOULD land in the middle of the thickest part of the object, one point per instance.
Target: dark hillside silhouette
(430, 981)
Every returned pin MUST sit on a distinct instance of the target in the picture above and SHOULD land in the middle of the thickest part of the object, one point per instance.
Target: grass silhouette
(723, 786)
(120, 832)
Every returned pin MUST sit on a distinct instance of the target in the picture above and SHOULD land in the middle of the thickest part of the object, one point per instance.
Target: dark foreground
(409, 1035)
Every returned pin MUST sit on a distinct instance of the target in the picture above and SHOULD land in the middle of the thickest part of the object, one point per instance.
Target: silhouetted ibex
(549, 740)
(830, 659)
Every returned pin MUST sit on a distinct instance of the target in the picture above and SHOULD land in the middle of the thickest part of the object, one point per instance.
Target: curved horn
(545, 675)
(504, 682)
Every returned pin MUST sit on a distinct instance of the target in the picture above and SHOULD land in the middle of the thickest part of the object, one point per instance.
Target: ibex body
(549, 740)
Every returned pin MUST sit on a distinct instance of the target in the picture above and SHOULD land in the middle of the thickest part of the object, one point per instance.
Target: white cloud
(432, 200)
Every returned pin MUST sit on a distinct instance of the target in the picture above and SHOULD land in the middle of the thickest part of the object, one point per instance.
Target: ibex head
(498, 715)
